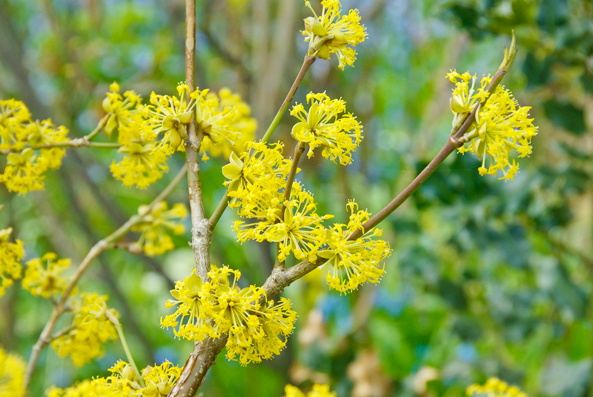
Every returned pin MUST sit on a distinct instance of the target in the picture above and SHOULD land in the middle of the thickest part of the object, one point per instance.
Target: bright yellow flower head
(332, 32)
(90, 328)
(24, 171)
(120, 109)
(144, 161)
(257, 329)
(298, 230)
(191, 319)
(123, 382)
(155, 225)
(44, 276)
(357, 261)
(317, 391)
(255, 179)
(169, 116)
(160, 379)
(14, 116)
(465, 97)
(501, 126)
(494, 387)
(25, 168)
(324, 125)
(242, 122)
(10, 258)
(266, 336)
(12, 373)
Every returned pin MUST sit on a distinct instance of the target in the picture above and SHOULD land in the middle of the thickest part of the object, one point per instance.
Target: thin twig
(220, 208)
(453, 143)
(307, 62)
(85, 141)
(97, 249)
(298, 152)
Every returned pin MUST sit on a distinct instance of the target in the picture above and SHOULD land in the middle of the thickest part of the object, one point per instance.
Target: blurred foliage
(486, 279)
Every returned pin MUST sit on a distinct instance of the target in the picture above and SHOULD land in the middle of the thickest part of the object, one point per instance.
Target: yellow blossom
(90, 328)
(354, 262)
(265, 338)
(123, 382)
(465, 96)
(14, 116)
(317, 391)
(160, 379)
(120, 109)
(25, 167)
(169, 116)
(256, 179)
(24, 171)
(143, 162)
(191, 319)
(10, 257)
(332, 32)
(44, 276)
(324, 125)
(257, 328)
(154, 238)
(242, 122)
(215, 122)
(501, 126)
(12, 373)
(297, 229)
(494, 387)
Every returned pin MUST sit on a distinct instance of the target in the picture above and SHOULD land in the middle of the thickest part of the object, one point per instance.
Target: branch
(200, 226)
(220, 208)
(453, 143)
(85, 141)
(98, 248)
(307, 62)
(298, 152)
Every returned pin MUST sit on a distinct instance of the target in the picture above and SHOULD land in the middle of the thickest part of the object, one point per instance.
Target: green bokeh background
(487, 278)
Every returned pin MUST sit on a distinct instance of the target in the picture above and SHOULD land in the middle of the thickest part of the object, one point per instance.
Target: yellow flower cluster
(44, 276)
(90, 328)
(324, 125)
(293, 224)
(12, 373)
(123, 382)
(501, 126)
(257, 328)
(26, 166)
(494, 387)
(120, 109)
(149, 134)
(10, 258)
(144, 160)
(332, 32)
(256, 177)
(242, 122)
(317, 391)
(465, 96)
(357, 261)
(154, 226)
(256, 183)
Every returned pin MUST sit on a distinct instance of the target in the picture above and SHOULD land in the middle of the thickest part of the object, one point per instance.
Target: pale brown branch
(453, 143)
(200, 226)
(85, 141)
